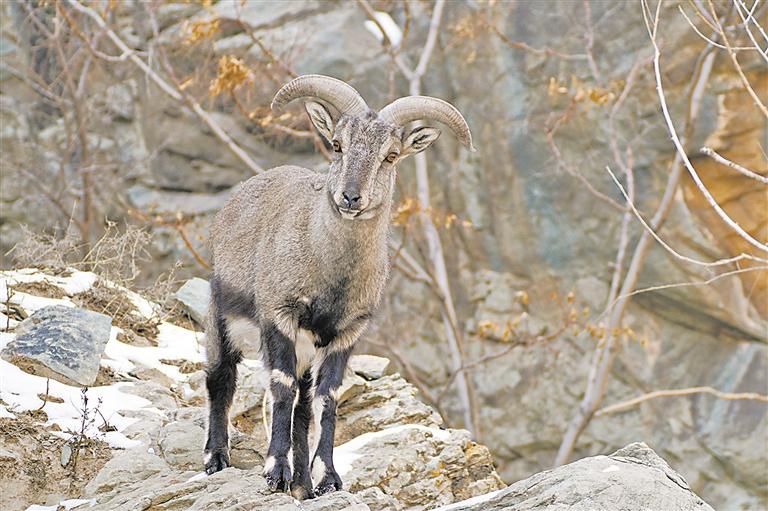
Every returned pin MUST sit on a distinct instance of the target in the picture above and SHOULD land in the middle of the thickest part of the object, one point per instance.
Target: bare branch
(710, 41)
(732, 55)
(735, 166)
(626, 405)
(739, 6)
(666, 246)
(169, 89)
(681, 150)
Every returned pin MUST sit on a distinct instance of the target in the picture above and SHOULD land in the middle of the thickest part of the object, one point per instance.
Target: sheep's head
(367, 146)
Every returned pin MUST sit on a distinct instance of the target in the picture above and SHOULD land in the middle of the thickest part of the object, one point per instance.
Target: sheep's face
(366, 150)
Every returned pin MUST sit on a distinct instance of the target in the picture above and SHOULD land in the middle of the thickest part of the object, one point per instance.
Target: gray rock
(631, 479)
(229, 489)
(194, 295)
(352, 385)
(147, 199)
(66, 455)
(369, 367)
(126, 468)
(181, 444)
(62, 343)
(420, 467)
(249, 394)
(388, 401)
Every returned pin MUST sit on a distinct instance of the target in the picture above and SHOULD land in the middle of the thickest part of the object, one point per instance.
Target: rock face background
(526, 232)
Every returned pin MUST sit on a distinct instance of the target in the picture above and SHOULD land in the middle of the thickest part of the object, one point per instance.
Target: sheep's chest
(322, 313)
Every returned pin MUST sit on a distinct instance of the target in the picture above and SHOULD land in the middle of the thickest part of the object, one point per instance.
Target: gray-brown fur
(298, 251)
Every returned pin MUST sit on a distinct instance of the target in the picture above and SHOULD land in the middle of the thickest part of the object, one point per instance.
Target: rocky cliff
(124, 430)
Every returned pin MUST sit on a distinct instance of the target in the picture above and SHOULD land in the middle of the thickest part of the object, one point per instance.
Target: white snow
(32, 303)
(173, 343)
(20, 391)
(5, 414)
(66, 504)
(5, 338)
(346, 454)
(197, 477)
(469, 502)
(394, 34)
(76, 282)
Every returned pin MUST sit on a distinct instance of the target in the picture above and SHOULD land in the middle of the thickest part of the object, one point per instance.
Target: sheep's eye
(392, 157)
(337, 146)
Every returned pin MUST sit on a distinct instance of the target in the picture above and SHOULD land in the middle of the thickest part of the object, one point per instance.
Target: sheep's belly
(244, 334)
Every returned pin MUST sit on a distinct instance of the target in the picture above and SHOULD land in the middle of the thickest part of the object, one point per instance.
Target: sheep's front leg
(280, 358)
(328, 372)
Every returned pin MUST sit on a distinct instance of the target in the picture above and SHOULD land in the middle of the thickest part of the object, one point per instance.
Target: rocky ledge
(133, 439)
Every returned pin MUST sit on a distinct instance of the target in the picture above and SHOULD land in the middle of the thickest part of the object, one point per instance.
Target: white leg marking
(318, 471)
(290, 459)
(281, 377)
(269, 464)
(318, 405)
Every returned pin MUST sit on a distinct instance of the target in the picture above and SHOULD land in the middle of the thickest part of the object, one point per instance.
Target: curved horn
(341, 95)
(414, 108)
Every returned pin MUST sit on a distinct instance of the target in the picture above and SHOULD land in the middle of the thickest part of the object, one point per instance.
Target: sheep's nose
(351, 199)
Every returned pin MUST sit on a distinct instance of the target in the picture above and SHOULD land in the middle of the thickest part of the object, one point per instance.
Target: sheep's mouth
(349, 214)
(357, 214)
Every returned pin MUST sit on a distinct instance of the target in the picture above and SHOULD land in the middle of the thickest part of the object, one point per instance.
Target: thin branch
(707, 39)
(681, 150)
(649, 229)
(735, 166)
(589, 35)
(525, 47)
(732, 55)
(631, 403)
(745, 20)
(169, 89)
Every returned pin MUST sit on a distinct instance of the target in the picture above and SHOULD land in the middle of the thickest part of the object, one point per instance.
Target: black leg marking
(301, 487)
(280, 358)
(221, 381)
(328, 381)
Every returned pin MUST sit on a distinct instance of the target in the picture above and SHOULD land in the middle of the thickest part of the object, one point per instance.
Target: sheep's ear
(418, 140)
(321, 118)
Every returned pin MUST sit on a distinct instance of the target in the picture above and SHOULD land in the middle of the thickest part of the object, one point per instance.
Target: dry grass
(40, 288)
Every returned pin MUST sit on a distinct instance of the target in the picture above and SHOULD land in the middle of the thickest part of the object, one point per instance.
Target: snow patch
(470, 502)
(20, 391)
(346, 454)
(173, 343)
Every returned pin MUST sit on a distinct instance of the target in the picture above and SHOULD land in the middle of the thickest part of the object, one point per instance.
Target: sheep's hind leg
(280, 358)
(221, 380)
(301, 486)
(328, 377)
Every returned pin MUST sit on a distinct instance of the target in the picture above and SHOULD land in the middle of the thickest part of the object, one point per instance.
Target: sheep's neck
(351, 243)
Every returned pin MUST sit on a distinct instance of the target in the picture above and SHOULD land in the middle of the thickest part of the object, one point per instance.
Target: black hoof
(302, 491)
(278, 477)
(216, 460)
(330, 483)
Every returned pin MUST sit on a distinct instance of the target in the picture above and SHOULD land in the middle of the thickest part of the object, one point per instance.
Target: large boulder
(63, 343)
(631, 479)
